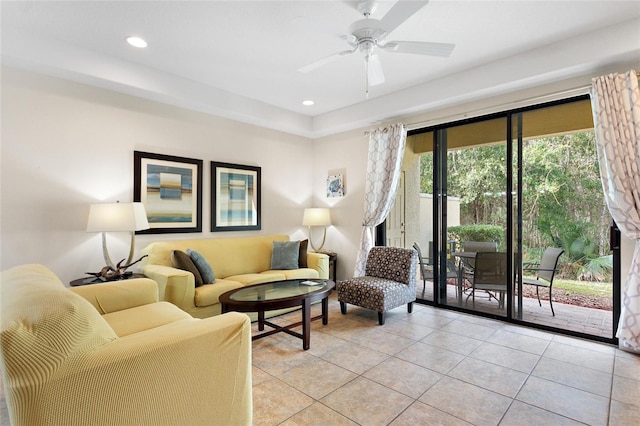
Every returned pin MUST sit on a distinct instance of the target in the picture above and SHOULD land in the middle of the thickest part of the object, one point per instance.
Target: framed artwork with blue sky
(235, 197)
(171, 190)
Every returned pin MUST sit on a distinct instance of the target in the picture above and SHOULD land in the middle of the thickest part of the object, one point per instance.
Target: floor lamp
(117, 217)
(316, 217)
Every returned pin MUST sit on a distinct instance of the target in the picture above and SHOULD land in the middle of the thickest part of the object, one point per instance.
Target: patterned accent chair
(389, 282)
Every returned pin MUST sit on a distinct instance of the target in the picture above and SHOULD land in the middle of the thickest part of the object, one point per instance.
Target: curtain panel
(386, 150)
(615, 101)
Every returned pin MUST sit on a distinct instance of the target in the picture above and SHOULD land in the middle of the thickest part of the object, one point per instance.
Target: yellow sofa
(111, 354)
(236, 262)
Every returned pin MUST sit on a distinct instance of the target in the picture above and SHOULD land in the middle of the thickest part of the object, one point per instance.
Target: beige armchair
(111, 354)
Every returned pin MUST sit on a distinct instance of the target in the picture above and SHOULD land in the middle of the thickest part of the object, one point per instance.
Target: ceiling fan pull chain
(366, 76)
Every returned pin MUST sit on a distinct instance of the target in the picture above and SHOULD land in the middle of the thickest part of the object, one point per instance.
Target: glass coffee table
(280, 295)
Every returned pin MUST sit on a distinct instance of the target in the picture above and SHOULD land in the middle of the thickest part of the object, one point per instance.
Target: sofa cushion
(209, 294)
(285, 255)
(264, 277)
(201, 262)
(300, 273)
(182, 260)
(227, 256)
(145, 317)
(302, 256)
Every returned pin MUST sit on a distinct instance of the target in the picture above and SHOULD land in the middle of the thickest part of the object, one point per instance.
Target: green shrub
(599, 269)
(481, 233)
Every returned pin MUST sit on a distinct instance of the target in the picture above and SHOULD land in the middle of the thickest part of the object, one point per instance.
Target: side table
(94, 280)
(333, 258)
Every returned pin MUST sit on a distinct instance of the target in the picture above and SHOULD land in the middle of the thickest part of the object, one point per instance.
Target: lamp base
(324, 237)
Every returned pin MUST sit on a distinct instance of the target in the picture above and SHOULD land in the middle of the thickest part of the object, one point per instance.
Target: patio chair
(467, 263)
(545, 271)
(389, 282)
(478, 246)
(490, 275)
(426, 267)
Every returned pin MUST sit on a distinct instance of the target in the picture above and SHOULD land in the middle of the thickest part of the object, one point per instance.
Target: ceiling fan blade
(317, 64)
(420, 48)
(400, 12)
(375, 75)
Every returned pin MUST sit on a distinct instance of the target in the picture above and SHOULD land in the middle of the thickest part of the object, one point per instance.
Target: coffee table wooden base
(261, 307)
(306, 324)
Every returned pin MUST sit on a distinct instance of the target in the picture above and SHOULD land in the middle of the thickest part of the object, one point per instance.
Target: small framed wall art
(335, 186)
(235, 197)
(171, 190)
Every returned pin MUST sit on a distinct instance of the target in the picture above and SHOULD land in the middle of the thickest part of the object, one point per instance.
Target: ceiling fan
(369, 34)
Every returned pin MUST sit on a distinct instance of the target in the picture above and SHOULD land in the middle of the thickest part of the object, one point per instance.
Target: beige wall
(426, 217)
(66, 145)
(346, 152)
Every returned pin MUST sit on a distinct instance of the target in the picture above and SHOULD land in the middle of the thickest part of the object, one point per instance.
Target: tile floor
(592, 321)
(439, 367)
(436, 367)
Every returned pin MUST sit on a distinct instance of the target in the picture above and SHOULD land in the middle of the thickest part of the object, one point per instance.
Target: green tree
(562, 199)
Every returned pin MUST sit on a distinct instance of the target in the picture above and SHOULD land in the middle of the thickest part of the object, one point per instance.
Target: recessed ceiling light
(136, 42)
(308, 102)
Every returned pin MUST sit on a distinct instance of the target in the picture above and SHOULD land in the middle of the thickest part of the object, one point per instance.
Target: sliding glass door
(563, 222)
(517, 215)
(473, 199)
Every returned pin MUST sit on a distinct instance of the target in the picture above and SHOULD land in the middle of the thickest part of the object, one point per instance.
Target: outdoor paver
(597, 322)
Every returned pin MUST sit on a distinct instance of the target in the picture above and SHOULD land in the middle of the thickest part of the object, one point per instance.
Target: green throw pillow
(203, 266)
(182, 260)
(285, 255)
(302, 256)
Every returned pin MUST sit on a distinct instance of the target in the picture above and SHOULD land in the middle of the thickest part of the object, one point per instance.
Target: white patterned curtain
(615, 100)
(386, 149)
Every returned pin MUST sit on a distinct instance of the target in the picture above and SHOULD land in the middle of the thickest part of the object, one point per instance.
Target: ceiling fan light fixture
(369, 34)
(366, 47)
(375, 75)
(367, 29)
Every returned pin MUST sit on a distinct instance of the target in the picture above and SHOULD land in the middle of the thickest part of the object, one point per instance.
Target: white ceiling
(239, 59)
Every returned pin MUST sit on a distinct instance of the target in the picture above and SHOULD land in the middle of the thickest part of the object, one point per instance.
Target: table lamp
(317, 217)
(117, 217)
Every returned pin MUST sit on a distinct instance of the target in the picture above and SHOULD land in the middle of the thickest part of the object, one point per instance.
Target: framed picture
(235, 197)
(171, 190)
(335, 187)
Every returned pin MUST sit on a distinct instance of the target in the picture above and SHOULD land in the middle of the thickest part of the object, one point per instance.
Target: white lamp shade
(316, 217)
(117, 217)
